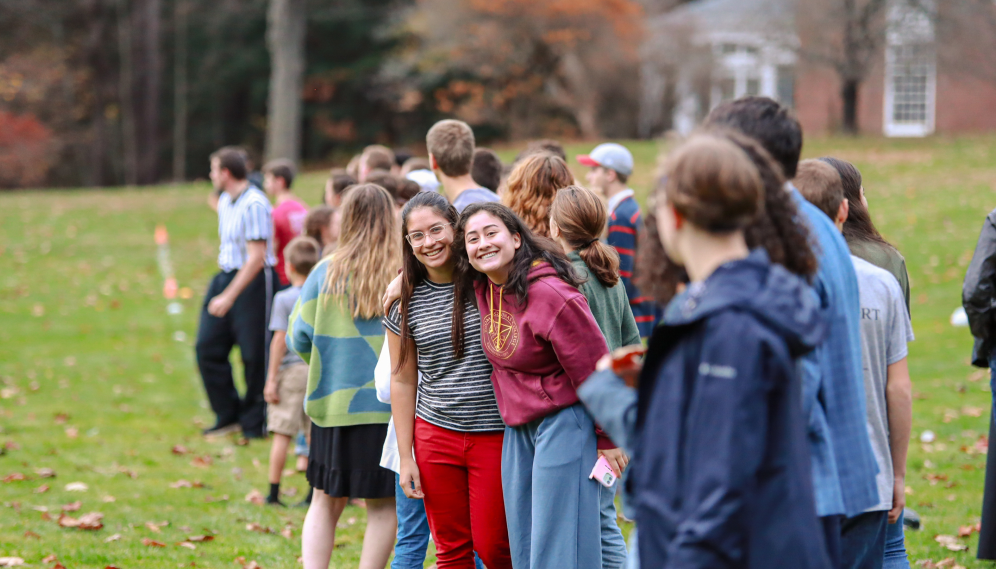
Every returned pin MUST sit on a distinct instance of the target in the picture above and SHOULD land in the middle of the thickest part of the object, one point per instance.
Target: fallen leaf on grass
(30, 533)
(153, 527)
(946, 563)
(72, 432)
(45, 472)
(107, 498)
(287, 533)
(255, 496)
(91, 521)
(58, 566)
(130, 473)
(11, 561)
(971, 411)
(180, 449)
(934, 478)
(258, 528)
(222, 498)
(46, 517)
(200, 538)
(203, 461)
(76, 487)
(965, 531)
(152, 543)
(41, 489)
(111, 538)
(251, 565)
(256, 463)
(951, 542)
(13, 477)
(49, 558)
(11, 445)
(68, 521)
(187, 544)
(181, 484)
(61, 418)
(72, 507)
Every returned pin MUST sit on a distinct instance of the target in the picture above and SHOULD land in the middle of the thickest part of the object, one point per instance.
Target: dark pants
(245, 325)
(987, 536)
(862, 540)
(831, 536)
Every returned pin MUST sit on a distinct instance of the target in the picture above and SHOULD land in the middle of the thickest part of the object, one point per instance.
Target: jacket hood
(541, 269)
(779, 299)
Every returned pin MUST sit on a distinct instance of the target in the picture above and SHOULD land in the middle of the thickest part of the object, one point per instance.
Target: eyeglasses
(417, 238)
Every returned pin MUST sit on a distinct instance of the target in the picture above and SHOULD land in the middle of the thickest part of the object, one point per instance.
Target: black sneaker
(911, 519)
(221, 430)
(274, 501)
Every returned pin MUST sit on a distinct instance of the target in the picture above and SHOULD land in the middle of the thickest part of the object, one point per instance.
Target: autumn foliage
(25, 150)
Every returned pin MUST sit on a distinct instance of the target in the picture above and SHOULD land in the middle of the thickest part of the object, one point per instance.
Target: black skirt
(344, 462)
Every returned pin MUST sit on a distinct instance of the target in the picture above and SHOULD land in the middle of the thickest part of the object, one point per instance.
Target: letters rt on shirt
(885, 330)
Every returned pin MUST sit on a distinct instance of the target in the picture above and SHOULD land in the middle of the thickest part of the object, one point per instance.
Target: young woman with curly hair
(532, 186)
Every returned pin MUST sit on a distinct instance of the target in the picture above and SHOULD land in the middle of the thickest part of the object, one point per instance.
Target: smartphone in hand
(602, 473)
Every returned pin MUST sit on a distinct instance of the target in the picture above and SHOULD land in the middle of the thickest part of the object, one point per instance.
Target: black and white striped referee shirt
(455, 394)
(248, 218)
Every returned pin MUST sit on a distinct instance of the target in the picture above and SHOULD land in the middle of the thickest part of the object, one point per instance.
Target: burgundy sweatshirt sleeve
(579, 344)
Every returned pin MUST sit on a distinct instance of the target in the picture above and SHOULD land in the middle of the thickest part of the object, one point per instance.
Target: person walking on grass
(453, 426)
(577, 218)
(237, 304)
(885, 331)
(451, 155)
(288, 374)
(541, 338)
(336, 328)
(611, 166)
(288, 213)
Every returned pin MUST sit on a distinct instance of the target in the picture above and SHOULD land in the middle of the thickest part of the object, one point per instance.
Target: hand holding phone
(602, 473)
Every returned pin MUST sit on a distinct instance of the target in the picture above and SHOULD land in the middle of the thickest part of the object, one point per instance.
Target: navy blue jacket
(721, 469)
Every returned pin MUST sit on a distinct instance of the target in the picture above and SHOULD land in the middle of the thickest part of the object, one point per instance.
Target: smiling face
(490, 245)
(433, 250)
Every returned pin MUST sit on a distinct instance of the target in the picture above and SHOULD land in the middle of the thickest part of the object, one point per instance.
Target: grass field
(99, 383)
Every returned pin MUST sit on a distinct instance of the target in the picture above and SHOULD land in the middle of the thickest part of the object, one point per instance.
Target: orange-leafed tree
(554, 67)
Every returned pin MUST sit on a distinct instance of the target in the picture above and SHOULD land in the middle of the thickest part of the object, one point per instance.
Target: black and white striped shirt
(454, 394)
(248, 218)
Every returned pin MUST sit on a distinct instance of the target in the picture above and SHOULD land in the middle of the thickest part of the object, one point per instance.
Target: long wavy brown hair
(532, 186)
(778, 229)
(367, 257)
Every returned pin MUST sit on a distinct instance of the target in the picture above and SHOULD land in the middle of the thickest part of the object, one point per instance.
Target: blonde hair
(532, 186)
(368, 252)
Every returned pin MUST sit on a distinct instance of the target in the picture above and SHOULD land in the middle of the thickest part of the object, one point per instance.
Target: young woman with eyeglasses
(453, 423)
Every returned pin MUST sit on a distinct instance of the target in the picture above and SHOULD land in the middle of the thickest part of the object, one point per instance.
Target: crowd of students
(468, 350)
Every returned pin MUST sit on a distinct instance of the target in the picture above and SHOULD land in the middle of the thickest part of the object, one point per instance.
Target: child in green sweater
(577, 218)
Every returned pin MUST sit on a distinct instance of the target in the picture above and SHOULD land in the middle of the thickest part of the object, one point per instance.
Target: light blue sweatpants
(551, 507)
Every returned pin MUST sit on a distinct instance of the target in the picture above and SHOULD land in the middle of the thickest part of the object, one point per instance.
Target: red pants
(461, 479)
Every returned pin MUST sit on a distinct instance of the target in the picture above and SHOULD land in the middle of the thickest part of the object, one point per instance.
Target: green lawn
(99, 382)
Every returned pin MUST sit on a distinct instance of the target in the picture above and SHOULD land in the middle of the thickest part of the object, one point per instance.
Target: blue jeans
(413, 532)
(633, 559)
(862, 540)
(895, 546)
(613, 544)
(551, 507)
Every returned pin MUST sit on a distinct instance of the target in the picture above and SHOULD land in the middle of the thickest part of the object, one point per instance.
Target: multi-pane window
(911, 69)
(786, 85)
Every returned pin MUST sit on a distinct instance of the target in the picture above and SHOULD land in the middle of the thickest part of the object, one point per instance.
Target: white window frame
(908, 28)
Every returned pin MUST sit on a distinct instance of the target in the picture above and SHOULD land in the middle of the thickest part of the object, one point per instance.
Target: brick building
(709, 51)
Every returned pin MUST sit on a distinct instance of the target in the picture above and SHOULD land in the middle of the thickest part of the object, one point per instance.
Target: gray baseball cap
(609, 155)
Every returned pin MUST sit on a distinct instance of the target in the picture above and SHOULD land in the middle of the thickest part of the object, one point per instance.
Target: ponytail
(581, 217)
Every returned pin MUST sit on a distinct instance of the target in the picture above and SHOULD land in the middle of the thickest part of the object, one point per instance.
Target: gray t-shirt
(474, 195)
(283, 305)
(885, 330)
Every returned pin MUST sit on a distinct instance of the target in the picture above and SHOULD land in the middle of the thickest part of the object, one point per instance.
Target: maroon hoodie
(540, 353)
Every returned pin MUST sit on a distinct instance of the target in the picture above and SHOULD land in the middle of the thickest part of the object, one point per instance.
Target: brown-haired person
(487, 168)
(863, 238)
(236, 306)
(338, 331)
(375, 157)
(336, 185)
(720, 476)
(451, 154)
(287, 377)
(288, 213)
(868, 540)
(577, 219)
(322, 225)
(532, 186)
